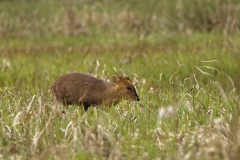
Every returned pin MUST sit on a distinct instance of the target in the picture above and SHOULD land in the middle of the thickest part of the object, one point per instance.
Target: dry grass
(73, 18)
(188, 82)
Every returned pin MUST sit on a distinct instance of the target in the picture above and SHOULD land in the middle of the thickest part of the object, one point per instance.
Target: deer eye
(129, 88)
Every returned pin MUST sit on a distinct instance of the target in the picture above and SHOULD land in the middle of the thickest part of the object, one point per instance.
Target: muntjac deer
(86, 90)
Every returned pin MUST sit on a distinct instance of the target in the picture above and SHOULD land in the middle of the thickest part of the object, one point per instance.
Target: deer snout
(138, 99)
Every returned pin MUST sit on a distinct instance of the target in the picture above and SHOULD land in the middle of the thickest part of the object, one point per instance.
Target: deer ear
(127, 78)
(114, 79)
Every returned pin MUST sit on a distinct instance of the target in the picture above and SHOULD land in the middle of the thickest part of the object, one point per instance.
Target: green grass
(187, 79)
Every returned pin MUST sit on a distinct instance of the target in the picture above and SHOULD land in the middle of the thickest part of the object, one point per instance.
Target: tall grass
(117, 18)
(187, 79)
(188, 110)
(207, 16)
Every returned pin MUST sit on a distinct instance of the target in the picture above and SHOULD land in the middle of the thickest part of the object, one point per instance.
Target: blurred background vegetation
(183, 56)
(164, 29)
(44, 19)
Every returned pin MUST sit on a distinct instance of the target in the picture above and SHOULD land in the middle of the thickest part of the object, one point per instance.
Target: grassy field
(183, 57)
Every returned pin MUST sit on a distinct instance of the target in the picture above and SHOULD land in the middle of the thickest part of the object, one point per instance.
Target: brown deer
(86, 90)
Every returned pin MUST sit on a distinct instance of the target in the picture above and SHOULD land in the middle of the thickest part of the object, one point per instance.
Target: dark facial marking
(129, 88)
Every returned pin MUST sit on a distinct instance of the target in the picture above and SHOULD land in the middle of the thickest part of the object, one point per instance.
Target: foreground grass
(188, 84)
(189, 103)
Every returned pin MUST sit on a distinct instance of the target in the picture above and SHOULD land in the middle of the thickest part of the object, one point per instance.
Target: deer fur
(86, 90)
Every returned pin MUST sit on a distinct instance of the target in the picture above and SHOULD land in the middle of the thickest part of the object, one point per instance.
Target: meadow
(183, 57)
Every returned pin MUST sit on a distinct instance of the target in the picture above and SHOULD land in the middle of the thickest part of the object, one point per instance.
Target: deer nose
(138, 99)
